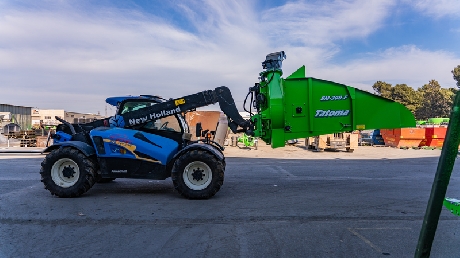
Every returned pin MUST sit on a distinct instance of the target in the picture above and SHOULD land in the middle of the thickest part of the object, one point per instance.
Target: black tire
(66, 172)
(106, 180)
(198, 174)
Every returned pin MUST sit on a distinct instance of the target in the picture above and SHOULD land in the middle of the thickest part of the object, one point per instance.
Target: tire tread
(87, 171)
(216, 166)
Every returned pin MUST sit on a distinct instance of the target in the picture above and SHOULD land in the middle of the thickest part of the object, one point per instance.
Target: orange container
(435, 132)
(387, 135)
(434, 142)
(398, 142)
(423, 143)
(404, 137)
(389, 139)
(386, 132)
(410, 133)
(434, 136)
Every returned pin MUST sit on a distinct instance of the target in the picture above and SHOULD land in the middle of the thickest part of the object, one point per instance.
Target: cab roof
(115, 100)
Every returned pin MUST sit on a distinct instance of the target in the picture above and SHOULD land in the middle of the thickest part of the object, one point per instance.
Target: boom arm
(221, 95)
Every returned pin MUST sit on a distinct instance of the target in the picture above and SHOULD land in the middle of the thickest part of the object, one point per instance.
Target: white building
(47, 117)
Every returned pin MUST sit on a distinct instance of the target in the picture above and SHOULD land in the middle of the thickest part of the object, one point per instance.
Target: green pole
(441, 181)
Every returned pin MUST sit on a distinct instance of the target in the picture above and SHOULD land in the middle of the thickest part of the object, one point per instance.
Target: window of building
(47, 117)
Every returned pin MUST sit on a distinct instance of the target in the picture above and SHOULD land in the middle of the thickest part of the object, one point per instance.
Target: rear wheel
(66, 172)
(197, 174)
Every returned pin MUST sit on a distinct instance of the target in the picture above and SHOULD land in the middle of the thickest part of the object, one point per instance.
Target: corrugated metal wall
(22, 115)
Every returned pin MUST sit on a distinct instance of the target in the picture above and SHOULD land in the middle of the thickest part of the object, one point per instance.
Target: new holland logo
(163, 113)
(331, 113)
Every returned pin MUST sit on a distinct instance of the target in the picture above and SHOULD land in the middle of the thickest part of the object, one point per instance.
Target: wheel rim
(65, 172)
(197, 175)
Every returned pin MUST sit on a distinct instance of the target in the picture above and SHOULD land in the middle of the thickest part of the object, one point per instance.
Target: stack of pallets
(28, 138)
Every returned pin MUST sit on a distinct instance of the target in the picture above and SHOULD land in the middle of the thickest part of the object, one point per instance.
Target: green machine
(248, 141)
(283, 109)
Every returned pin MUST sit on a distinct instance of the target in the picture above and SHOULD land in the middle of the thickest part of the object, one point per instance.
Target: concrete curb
(21, 150)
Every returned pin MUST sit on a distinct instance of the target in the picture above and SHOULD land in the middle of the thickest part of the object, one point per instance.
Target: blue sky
(73, 54)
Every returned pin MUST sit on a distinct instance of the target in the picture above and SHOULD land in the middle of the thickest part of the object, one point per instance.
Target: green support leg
(441, 181)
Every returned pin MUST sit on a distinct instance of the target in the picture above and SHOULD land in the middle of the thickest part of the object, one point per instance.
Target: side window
(169, 123)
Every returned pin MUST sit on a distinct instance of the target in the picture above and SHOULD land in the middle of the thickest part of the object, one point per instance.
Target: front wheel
(198, 174)
(66, 172)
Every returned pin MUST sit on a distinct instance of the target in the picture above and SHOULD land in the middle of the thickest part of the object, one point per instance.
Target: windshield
(133, 106)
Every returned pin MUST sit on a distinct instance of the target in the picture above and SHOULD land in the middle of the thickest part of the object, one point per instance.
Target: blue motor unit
(377, 138)
(60, 137)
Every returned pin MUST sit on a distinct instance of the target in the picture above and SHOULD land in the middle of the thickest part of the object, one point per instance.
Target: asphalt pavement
(288, 202)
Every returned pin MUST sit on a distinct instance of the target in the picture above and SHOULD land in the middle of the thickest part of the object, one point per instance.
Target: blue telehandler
(147, 138)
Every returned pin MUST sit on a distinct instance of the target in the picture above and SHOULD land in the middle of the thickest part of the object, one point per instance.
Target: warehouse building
(15, 118)
(15, 115)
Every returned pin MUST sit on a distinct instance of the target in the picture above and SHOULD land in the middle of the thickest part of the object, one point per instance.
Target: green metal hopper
(299, 106)
(436, 121)
(421, 122)
(453, 205)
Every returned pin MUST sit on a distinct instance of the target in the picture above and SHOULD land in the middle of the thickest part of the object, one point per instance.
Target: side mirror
(198, 130)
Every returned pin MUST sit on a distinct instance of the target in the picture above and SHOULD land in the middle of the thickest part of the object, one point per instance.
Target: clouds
(314, 31)
(406, 64)
(109, 52)
(324, 22)
(437, 8)
(72, 55)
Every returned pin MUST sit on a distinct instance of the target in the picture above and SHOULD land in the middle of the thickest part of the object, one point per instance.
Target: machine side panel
(133, 144)
(315, 107)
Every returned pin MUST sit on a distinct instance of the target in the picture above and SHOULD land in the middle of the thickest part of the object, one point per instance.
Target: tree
(401, 93)
(456, 73)
(454, 92)
(436, 102)
(383, 89)
(407, 96)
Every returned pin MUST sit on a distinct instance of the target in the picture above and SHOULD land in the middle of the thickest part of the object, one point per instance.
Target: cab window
(133, 106)
(169, 123)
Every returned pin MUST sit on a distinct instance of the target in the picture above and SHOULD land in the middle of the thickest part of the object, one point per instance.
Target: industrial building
(13, 116)
(47, 117)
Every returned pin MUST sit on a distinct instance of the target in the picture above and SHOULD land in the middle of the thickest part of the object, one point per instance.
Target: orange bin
(410, 133)
(386, 132)
(434, 136)
(387, 135)
(404, 137)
